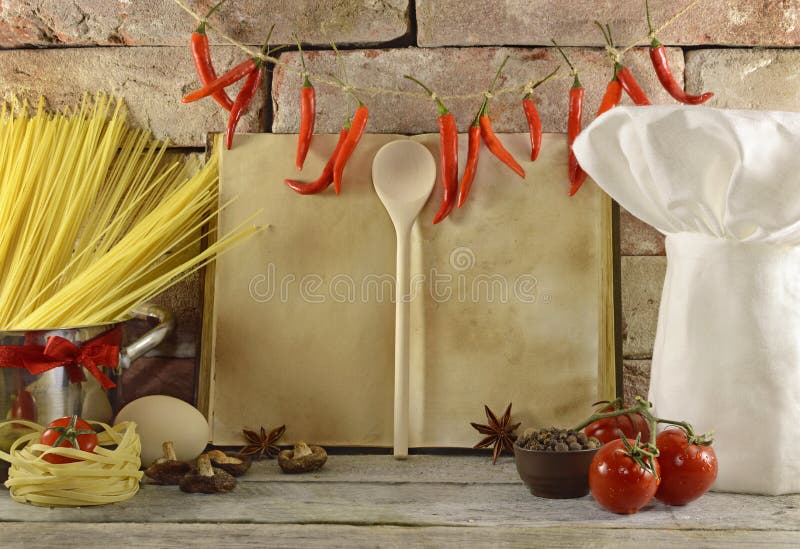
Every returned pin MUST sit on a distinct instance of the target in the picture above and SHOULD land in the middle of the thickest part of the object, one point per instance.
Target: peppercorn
(553, 439)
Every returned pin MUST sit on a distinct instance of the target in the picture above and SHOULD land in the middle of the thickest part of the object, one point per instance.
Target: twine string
(614, 54)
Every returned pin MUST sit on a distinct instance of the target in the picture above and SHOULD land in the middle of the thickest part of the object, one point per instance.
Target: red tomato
(68, 432)
(687, 470)
(618, 482)
(614, 428)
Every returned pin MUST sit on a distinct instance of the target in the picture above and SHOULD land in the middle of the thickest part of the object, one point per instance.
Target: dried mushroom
(207, 479)
(302, 459)
(235, 464)
(167, 469)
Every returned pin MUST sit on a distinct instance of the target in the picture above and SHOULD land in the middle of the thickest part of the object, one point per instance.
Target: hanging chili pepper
(448, 154)
(630, 85)
(326, 178)
(496, 147)
(487, 133)
(473, 152)
(201, 53)
(576, 95)
(308, 114)
(349, 145)
(613, 94)
(534, 125)
(246, 93)
(577, 181)
(532, 116)
(658, 55)
(231, 77)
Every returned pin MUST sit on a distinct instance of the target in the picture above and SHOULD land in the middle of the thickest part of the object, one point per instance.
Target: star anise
(260, 443)
(499, 433)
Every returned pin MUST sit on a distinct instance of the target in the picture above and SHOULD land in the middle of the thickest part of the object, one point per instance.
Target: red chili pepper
(576, 174)
(472, 159)
(201, 53)
(630, 85)
(612, 96)
(576, 94)
(308, 111)
(610, 100)
(658, 55)
(349, 145)
(532, 116)
(577, 182)
(232, 76)
(326, 178)
(534, 125)
(243, 99)
(487, 133)
(448, 155)
(308, 114)
(496, 147)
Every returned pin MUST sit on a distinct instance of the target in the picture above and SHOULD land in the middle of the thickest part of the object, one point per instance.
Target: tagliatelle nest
(107, 475)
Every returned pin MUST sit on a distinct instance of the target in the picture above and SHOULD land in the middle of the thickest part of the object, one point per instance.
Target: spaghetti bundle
(107, 475)
(95, 216)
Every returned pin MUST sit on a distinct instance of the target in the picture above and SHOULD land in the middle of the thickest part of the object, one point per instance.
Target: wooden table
(377, 501)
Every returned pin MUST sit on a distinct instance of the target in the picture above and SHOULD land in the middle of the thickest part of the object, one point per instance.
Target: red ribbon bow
(102, 350)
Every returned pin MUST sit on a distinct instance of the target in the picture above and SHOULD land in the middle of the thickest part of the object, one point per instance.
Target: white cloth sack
(724, 186)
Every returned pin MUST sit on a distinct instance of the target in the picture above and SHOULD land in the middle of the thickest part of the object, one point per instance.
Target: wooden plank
(607, 343)
(414, 505)
(286, 535)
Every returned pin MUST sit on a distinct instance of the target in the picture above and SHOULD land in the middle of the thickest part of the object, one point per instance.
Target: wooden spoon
(403, 173)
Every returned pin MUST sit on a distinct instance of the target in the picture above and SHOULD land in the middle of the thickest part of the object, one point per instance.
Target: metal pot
(53, 393)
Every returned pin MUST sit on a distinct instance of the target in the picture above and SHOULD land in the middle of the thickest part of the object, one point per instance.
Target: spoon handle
(401, 344)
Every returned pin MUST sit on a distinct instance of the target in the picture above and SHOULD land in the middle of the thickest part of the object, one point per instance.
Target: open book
(511, 300)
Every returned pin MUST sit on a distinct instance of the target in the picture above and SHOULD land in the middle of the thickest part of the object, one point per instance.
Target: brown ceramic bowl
(555, 475)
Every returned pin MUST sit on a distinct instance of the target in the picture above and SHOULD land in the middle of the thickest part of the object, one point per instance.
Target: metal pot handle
(153, 338)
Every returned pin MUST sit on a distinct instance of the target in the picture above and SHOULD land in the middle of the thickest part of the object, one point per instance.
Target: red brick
(488, 22)
(746, 79)
(163, 22)
(639, 238)
(642, 281)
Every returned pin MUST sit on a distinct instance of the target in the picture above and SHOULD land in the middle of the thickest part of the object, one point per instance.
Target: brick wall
(741, 49)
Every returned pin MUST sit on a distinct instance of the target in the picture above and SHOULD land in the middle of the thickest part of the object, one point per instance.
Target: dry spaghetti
(95, 215)
(108, 475)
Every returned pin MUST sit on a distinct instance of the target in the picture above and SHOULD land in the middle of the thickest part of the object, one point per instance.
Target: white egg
(160, 418)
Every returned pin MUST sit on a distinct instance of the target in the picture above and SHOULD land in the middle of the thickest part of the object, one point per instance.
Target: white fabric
(724, 186)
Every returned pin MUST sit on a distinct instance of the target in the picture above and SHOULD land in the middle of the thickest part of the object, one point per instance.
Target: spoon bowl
(403, 173)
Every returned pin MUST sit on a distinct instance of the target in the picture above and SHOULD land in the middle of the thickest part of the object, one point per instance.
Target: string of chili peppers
(480, 129)
(326, 80)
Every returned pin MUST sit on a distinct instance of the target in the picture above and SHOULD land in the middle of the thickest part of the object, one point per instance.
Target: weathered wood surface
(123, 535)
(376, 500)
